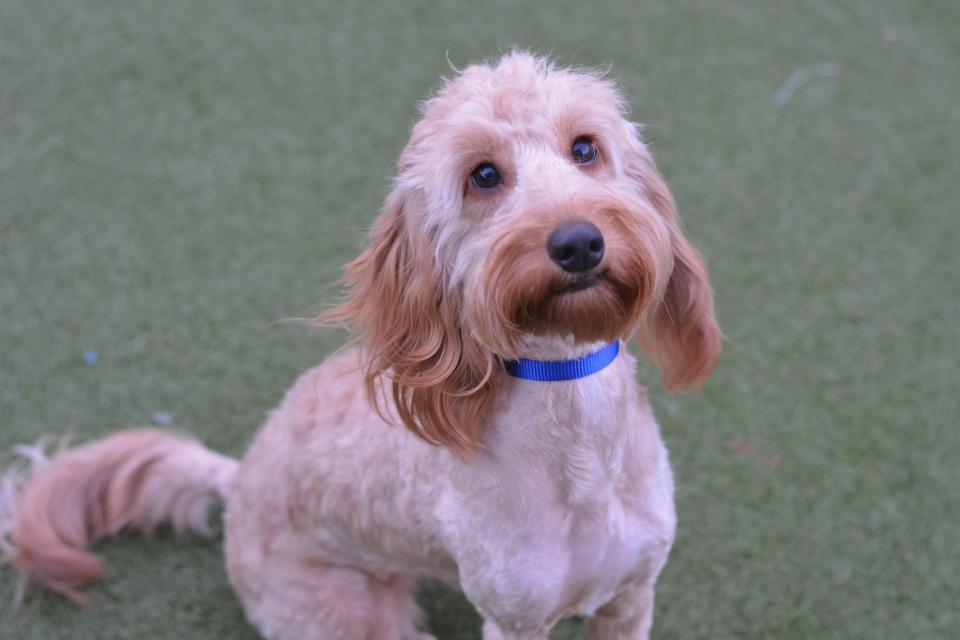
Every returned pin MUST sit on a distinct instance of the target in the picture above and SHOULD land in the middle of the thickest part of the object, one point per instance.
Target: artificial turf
(177, 176)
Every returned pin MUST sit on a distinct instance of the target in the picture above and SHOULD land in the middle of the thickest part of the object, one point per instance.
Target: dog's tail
(132, 480)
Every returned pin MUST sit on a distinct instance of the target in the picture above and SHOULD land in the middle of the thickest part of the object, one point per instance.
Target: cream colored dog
(527, 222)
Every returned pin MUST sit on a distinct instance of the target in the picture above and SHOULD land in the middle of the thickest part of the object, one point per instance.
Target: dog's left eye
(584, 151)
(485, 177)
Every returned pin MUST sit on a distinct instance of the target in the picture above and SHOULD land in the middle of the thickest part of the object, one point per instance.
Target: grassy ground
(175, 176)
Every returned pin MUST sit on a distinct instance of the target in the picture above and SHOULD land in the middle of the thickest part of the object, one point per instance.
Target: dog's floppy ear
(439, 379)
(680, 334)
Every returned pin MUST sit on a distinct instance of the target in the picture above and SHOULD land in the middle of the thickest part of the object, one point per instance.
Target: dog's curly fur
(538, 500)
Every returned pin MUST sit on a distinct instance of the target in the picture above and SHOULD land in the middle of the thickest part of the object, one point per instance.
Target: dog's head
(525, 204)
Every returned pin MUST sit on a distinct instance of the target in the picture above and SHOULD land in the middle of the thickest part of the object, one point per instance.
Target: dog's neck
(572, 435)
(556, 347)
(589, 406)
(563, 369)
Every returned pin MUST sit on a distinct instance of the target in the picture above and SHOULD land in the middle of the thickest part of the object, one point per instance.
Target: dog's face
(541, 215)
(525, 204)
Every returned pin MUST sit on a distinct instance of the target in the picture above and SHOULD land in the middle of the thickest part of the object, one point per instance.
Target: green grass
(176, 176)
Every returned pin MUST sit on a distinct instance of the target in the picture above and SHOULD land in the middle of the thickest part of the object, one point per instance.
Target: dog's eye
(583, 150)
(485, 177)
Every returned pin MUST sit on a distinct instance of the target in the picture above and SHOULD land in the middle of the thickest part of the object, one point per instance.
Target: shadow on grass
(451, 617)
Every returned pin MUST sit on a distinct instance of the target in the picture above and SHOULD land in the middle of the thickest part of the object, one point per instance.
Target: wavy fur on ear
(681, 334)
(409, 324)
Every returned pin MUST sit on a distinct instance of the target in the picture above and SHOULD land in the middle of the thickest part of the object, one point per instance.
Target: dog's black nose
(576, 247)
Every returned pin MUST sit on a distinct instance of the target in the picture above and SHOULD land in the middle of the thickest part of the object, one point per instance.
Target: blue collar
(557, 370)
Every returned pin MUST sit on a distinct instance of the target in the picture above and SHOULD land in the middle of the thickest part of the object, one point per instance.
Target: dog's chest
(605, 548)
(544, 561)
(571, 509)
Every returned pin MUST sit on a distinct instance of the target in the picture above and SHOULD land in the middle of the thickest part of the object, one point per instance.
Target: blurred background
(177, 176)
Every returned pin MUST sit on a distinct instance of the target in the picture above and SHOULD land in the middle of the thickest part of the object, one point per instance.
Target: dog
(485, 430)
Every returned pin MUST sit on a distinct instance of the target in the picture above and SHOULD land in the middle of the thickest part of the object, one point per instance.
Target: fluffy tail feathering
(132, 480)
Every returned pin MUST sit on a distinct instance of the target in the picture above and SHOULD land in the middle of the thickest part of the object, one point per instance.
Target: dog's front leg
(629, 616)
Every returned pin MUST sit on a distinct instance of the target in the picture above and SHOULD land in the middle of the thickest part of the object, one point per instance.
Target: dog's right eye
(584, 150)
(485, 177)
